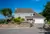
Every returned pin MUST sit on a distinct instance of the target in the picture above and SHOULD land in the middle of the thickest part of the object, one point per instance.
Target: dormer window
(33, 14)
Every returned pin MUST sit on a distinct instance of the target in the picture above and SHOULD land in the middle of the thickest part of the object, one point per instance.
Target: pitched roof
(28, 10)
(23, 10)
(35, 16)
(31, 17)
(38, 15)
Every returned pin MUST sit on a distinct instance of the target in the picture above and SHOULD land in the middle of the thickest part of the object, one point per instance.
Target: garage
(39, 20)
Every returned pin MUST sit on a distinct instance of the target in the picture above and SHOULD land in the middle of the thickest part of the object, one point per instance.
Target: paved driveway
(32, 30)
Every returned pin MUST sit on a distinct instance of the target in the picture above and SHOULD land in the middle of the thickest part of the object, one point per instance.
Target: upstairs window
(33, 14)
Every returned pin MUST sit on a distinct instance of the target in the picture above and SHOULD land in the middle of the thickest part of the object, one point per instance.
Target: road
(33, 30)
(21, 31)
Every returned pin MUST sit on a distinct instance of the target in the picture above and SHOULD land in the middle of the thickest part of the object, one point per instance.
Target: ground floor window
(29, 19)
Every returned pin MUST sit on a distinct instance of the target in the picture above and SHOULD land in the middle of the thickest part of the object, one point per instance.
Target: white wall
(23, 14)
(39, 20)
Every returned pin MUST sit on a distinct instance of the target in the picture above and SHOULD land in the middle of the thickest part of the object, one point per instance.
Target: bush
(22, 19)
(18, 20)
(49, 22)
(3, 22)
(19, 17)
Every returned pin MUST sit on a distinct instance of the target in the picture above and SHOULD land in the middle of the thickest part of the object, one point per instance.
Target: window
(33, 14)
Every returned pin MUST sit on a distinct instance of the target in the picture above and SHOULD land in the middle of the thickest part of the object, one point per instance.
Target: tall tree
(46, 11)
(6, 12)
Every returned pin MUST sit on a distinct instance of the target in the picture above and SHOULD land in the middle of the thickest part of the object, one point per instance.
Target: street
(33, 30)
(21, 31)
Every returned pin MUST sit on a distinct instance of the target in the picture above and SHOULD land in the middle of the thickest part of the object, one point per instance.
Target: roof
(31, 17)
(35, 16)
(28, 10)
(38, 15)
(23, 10)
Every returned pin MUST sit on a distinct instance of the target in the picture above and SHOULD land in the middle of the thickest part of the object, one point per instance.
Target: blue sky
(36, 5)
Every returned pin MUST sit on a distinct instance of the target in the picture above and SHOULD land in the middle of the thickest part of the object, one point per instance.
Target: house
(29, 14)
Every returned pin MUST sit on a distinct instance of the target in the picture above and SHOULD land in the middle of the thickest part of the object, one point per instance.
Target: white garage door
(39, 20)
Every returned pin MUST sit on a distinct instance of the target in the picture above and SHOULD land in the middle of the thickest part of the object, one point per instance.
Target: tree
(46, 11)
(6, 12)
(0, 12)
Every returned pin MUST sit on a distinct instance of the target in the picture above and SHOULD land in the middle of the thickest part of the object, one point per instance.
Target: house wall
(22, 15)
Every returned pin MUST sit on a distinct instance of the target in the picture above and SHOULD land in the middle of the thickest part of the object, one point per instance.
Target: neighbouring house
(29, 14)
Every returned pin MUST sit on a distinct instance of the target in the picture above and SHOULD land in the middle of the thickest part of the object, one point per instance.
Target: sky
(36, 5)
